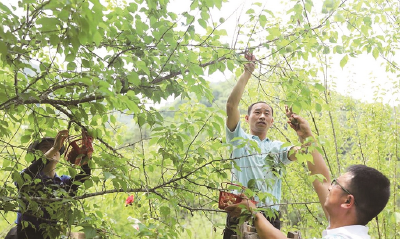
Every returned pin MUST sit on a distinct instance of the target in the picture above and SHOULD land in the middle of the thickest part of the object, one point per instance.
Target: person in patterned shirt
(40, 179)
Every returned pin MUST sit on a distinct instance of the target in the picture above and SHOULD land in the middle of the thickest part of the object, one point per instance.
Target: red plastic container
(227, 198)
(79, 148)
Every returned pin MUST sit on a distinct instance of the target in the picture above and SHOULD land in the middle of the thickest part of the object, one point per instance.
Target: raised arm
(53, 154)
(318, 166)
(232, 105)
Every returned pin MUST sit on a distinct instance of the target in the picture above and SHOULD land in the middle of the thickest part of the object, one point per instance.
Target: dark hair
(371, 189)
(38, 144)
(251, 106)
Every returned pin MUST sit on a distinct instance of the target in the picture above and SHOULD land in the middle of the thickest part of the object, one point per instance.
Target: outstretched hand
(235, 210)
(299, 124)
(60, 138)
(289, 114)
(250, 66)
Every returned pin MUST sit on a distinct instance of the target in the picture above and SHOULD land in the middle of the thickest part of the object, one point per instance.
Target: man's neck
(342, 222)
(261, 136)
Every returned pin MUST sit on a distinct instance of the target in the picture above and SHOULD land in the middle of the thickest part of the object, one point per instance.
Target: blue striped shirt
(264, 166)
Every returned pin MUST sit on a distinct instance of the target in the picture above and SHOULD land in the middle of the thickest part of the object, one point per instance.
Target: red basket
(226, 198)
(79, 148)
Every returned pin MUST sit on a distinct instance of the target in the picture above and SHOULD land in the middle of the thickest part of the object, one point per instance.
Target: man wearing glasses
(349, 201)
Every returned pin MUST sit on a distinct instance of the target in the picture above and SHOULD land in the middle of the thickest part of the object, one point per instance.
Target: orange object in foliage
(129, 200)
(226, 198)
(80, 148)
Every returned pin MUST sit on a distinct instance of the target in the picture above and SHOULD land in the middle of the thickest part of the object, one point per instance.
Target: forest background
(114, 67)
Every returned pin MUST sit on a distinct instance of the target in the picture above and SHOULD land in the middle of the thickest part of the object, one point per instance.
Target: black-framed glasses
(335, 182)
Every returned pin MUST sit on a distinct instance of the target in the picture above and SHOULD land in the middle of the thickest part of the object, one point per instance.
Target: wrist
(303, 138)
(247, 73)
(254, 215)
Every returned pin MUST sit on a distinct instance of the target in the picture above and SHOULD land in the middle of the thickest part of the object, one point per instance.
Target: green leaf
(72, 172)
(6, 9)
(84, 80)
(210, 3)
(97, 38)
(48, 23)
(338, 49)
(339, 18)
(202, 23)
(70, 57)
(29, 157)
(319, 87)
(133, 78)
(3, 48)
(54, 40)
(194, 4)
(204, 15)
(343, 62)
(71, 66)
(197, 70)
(250, 11)
(88, 184)
(25, 139)
(326, 50)
(90, 232)
(141, 65)
(108, 175)
(365, 30)
(263, 20)
(375, 53)
(318, 107)
(165, 210)
(274, 32)
(132, 7)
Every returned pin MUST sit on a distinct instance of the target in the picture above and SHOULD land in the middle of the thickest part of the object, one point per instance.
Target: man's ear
(246, 118)
(349, 201)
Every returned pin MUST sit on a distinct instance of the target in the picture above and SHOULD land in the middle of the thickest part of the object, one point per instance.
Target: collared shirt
(347, 232)
(264, 166)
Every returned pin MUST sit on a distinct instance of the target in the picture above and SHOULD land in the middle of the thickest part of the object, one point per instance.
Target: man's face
(337, 196)
(260, 118)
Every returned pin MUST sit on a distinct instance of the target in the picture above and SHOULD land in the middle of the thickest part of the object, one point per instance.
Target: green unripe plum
(251, 184)
(289, 48)
(77, 128)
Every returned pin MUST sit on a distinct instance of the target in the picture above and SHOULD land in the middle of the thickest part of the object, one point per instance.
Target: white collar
(357, 231)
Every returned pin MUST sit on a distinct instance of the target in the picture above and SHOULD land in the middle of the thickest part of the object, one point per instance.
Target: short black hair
(36, 145)
(371, 189)
(251, 106)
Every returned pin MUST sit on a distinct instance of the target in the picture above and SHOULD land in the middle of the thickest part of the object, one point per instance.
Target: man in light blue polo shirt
(261, 167)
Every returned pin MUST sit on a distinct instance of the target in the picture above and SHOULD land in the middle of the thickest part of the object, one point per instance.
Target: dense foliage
(103, 66)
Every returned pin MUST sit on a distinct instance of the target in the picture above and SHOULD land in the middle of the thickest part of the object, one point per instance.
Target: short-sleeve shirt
(347, 232)
(265, 166)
